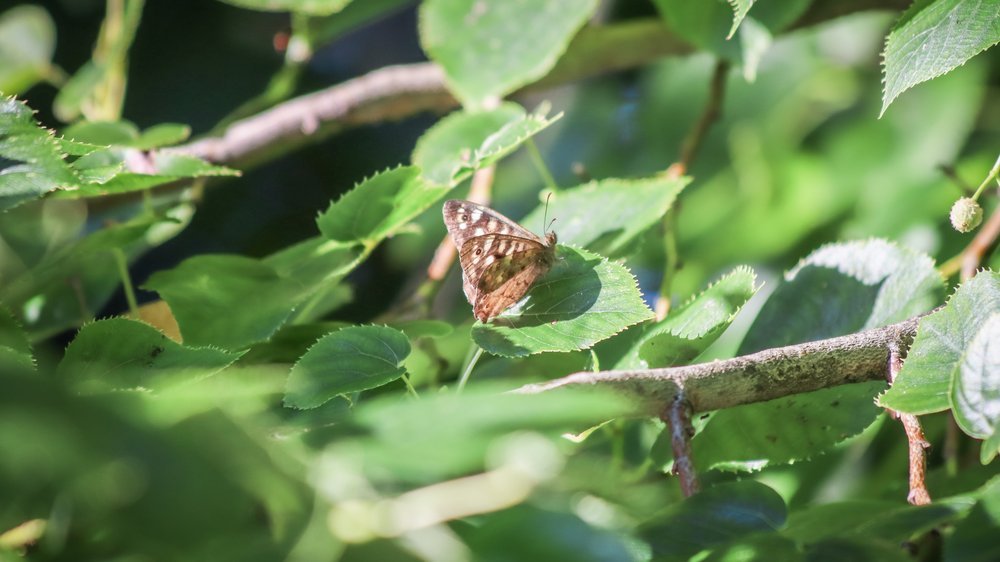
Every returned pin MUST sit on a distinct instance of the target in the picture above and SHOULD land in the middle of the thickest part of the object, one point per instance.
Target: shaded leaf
(446, 434)
(483, 55)
(226, 300)
(608, 216)
(544, 536)
(379, 206)
(582, 300)
(935, 37)
(15, 349)
(348, 360)
(713, 517)
(122, 354)
(935, 357)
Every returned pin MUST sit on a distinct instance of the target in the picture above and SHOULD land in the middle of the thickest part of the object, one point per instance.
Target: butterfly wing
(498, 270)
(466, 220)
(500, 259)
(509, 279)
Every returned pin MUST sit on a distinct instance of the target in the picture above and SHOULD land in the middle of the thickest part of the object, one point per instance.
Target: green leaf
(123, 354)
(924, 383)
(483, 55)
(304, 279)
(227, 301)
(120, 133)
(740, 9)
(511, 136)
(310, 7)
(104, 172)
(714, 517)
(856, 550)
(838, 289)
(56, 273)
(711, 24)
(544, 536)
(451, 143)
(691, 328)
(974, 538)
(15, 349)
(38, 165)
(608, 216)
(976, 388)
(581, 301)
(348, 360)
(445, 434)
(379, 206)
(27, 42)
(800, 427)
(934, 37)
(164, 134)
(125, 133)
(872, 519)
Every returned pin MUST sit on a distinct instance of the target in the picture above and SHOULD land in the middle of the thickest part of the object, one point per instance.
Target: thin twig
(678, 418)
(713, 110)
(689, 149)
(981, 243)
(761, 376)
(914, 436)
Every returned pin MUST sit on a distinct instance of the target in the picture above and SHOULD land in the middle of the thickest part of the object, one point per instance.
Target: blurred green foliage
(288, 388)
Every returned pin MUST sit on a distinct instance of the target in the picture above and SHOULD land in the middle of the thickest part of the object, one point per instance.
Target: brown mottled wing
(463, 218)
(507, 280)
(500, 259)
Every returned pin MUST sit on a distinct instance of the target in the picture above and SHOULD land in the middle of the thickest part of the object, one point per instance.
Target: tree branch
(914, 437)
(678, 418)
(762, 376)
(397, 92)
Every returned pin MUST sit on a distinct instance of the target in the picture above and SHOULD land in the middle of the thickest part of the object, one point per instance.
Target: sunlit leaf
(934, 37)
(935, 357)
(483, 55)
(581, 301)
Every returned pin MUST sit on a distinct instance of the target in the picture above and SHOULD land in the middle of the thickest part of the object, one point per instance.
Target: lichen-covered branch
(761, 376)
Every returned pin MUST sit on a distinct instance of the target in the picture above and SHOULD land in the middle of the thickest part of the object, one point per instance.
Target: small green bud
(966, 214)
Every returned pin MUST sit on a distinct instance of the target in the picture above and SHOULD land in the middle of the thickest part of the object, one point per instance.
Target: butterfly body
(500, 259)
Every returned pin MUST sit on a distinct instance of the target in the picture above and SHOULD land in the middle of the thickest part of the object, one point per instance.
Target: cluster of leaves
(249, 425)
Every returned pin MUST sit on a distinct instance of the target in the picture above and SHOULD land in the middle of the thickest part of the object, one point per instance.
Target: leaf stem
(994, 172)
(409, 386)
(467, 371)
(122, 264)
(539, 162)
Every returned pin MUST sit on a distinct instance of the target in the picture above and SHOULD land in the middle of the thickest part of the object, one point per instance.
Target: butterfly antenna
(545, 214)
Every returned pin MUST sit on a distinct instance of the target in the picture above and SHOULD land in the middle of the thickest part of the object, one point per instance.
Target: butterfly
(500, 259)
